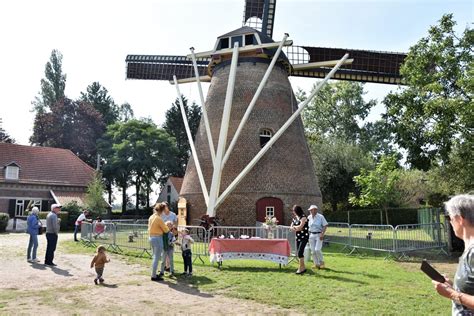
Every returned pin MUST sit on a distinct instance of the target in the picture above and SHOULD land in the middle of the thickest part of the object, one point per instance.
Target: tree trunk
(148, 189)
(334, 206)
(124, 196)
(386, 215)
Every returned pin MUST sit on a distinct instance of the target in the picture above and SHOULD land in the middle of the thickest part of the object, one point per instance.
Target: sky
(95, 36)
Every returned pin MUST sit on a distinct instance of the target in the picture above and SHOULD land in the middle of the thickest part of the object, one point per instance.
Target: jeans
(76, 229)
(188, 261)
(32, 245)
(99, 272)
(51, 247)
(168, 253)
(157, 247)
(316, 244)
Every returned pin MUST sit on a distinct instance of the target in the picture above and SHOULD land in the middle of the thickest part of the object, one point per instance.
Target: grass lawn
(350, 284)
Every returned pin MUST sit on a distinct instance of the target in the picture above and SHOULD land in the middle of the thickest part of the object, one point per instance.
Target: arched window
(265, 135)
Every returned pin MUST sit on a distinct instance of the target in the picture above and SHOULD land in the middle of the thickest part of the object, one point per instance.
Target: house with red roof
(170, 191)
(40, 176)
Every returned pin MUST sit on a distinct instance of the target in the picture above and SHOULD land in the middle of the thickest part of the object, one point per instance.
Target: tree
(52, 87)
(337, 163)
(4, 137)
(435, 109)
(137, 148)
(63, 122)
(98, 97)
(336, 111)
(94, 196)
(175, 127)
(378, 187)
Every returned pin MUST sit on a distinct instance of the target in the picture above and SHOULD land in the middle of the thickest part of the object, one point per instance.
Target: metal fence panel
(420, 237)
(372, 237)
(338, 233)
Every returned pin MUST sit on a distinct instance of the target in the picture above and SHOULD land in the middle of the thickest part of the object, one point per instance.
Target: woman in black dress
(300, 226)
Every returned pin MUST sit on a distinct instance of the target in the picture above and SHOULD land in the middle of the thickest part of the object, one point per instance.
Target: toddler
(98, 262)
(186, 242)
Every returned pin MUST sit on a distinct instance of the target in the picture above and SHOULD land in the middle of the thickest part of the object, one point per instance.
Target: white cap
(312, 207)
(55, 206)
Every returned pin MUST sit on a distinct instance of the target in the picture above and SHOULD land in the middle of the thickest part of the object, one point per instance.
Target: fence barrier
(120, 235)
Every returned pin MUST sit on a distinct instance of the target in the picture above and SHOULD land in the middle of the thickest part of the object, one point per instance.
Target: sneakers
(157, 278)
(321, 266)
(36, 260)
(29, 260)
(101, 281)
(167, 269)
(95, 281)
(50, 264)
(300, 272)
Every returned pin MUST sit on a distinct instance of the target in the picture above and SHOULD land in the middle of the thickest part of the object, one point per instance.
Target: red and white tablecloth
(275, 250)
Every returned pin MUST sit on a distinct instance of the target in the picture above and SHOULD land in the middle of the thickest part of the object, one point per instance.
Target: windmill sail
(260, 15)
(368, 66)
(162, 67)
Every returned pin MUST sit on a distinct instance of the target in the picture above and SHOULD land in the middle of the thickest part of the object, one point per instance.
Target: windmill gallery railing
(398, 241)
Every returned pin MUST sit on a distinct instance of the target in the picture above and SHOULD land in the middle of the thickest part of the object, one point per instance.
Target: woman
(461, 213)
(32, 227)
(156, 229)
(300, 226)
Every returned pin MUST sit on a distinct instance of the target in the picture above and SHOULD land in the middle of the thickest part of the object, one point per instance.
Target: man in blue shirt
(317, 229)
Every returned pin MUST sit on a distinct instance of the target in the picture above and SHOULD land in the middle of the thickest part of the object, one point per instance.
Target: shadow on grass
(372, 276)
(111, 286)
(189, 285)
(62, 272)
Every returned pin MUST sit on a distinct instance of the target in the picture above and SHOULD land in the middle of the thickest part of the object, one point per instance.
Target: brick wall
(286, 171)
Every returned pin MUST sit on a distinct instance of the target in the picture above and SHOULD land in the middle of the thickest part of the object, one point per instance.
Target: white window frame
(265, 133)
(36, 203)
(12, 172)
(269, 211)
(19, 207)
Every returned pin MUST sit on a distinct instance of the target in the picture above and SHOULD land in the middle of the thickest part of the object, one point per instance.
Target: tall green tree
(435, 109)
(53, 85)
(137, 151)
(336, 111)
(336, 164)
(99, 98)
(378, 187)
(95, 195)
(175, 127)
(63, 122)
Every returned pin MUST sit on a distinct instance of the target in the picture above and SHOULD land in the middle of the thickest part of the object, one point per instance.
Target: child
(99, 261)
(186, 242)
(99, 228)
(169, 250)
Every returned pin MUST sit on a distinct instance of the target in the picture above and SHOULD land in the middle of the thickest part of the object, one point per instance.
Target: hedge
(396, 216)
(64, 216)
(4, 218)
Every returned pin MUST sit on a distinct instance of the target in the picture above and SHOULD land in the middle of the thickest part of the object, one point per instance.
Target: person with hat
(52, 231)
(77, 225)
(317, 229)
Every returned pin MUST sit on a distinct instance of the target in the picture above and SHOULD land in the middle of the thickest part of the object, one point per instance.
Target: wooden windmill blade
(260, 15)
(367, 66)
(163, 67)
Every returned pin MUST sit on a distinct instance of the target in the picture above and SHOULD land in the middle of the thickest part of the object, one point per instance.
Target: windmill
(261, 163)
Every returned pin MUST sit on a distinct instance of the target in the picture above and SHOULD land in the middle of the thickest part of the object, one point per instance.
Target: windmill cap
(312, 207)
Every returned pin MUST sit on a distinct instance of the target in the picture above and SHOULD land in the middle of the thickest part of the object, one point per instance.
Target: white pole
(191, 143)
(216, 175)
(203, 106)
(254, 100)
(272, 140)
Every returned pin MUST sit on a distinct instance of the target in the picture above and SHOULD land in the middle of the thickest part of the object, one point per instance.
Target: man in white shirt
(77, 225)
(317, 228)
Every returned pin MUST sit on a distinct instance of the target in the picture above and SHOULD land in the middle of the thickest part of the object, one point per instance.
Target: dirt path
(27, 288)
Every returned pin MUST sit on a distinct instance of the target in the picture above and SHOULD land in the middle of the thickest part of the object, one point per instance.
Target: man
(317, 229)
(52, 230)
(79, 220)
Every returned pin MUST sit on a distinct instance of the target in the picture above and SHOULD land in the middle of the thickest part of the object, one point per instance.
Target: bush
(64, 216)
(4, 218)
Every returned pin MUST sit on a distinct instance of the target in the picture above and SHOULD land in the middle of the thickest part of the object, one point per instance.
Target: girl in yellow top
(156, 229)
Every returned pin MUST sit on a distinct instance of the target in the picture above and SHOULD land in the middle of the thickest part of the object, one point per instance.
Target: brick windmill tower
(250, 158)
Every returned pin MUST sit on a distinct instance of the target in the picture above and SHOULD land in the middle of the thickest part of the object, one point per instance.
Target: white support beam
(216, 175)
(254, 100)
(192, 79)
(203, 107)
(277, 135)
(327, 63)
(247, 48)
(191, 143)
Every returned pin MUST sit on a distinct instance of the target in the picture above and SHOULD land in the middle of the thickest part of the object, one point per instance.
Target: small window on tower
(224, 43)
(265, 135)
(249, 39)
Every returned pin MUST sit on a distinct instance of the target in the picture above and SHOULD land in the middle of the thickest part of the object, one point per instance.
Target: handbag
(40, 228)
